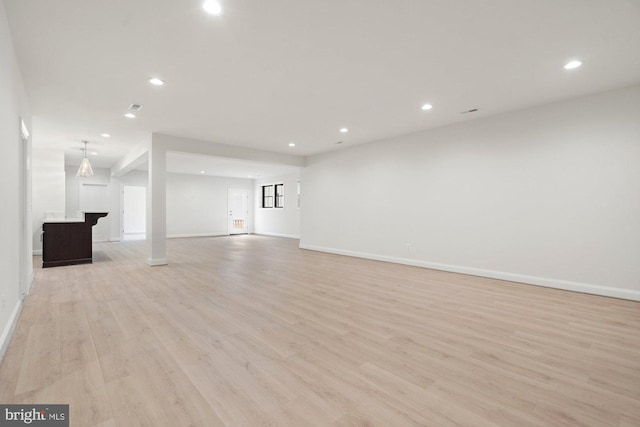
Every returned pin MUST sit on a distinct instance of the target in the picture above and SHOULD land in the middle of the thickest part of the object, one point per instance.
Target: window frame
(278, 196)
(273, 196)
(264, 196)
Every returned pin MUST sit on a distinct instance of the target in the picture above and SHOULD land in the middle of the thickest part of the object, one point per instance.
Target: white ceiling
(267, 73)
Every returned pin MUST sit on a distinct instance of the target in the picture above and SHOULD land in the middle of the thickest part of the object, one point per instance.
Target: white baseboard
(37, 251)
(566, 285)
(157, 261)
(30, 281)
(180, 236)
(9, 329)
(288, 236)
(114, 239)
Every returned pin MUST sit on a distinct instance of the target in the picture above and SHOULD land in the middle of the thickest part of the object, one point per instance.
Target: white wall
(197, 205)
(158, 223)
(48, 188)
(548, 196)
(283, 222)
(136, 178)
(114, 189)
(100, 177)
(72, 188)
(13, 106)
(134, 208)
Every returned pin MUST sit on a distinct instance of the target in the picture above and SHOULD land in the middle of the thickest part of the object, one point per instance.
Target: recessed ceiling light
(426, 107)
(213, 7)
(156, 81)
(344, 130)
(105, 135)
(130, 116)
(291, 144)
(94, 153)
(572, 64)
(201, 171)
(250, 176)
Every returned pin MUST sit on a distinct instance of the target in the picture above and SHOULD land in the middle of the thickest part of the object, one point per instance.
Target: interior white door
(238, 211)
(134, 208)
(94, 198)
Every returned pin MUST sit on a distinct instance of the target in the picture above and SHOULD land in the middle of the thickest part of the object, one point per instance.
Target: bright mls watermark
(34, 415)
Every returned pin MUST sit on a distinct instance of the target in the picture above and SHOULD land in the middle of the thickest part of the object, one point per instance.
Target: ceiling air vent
(473, 110)
(135, 107)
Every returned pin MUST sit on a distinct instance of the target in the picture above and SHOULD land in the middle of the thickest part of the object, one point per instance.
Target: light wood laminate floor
(252, 331)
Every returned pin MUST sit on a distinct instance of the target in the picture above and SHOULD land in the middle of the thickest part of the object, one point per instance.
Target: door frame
(25, 245)
(246, 219)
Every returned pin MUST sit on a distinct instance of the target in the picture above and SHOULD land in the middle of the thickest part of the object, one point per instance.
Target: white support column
(157, 205)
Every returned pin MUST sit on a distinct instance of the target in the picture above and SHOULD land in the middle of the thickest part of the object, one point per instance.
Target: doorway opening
(134, 213)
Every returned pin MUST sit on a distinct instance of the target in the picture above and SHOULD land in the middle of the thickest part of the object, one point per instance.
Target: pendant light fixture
(85, 169)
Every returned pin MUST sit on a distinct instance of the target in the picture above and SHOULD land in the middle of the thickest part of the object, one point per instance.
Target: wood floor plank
(252, 331)
(41, 361)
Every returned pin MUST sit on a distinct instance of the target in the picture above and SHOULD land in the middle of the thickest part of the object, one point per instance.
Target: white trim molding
(30, 280)
(566, 285)
(182, 236)
(157, 262)
(37, 252)
(266, 233)
(10, 328)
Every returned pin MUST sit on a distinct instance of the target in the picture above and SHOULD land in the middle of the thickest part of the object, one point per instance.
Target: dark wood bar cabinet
(68, 242)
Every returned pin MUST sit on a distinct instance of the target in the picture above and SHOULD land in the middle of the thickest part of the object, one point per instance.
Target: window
(267, 196)
(273, 196)
(279, 195)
